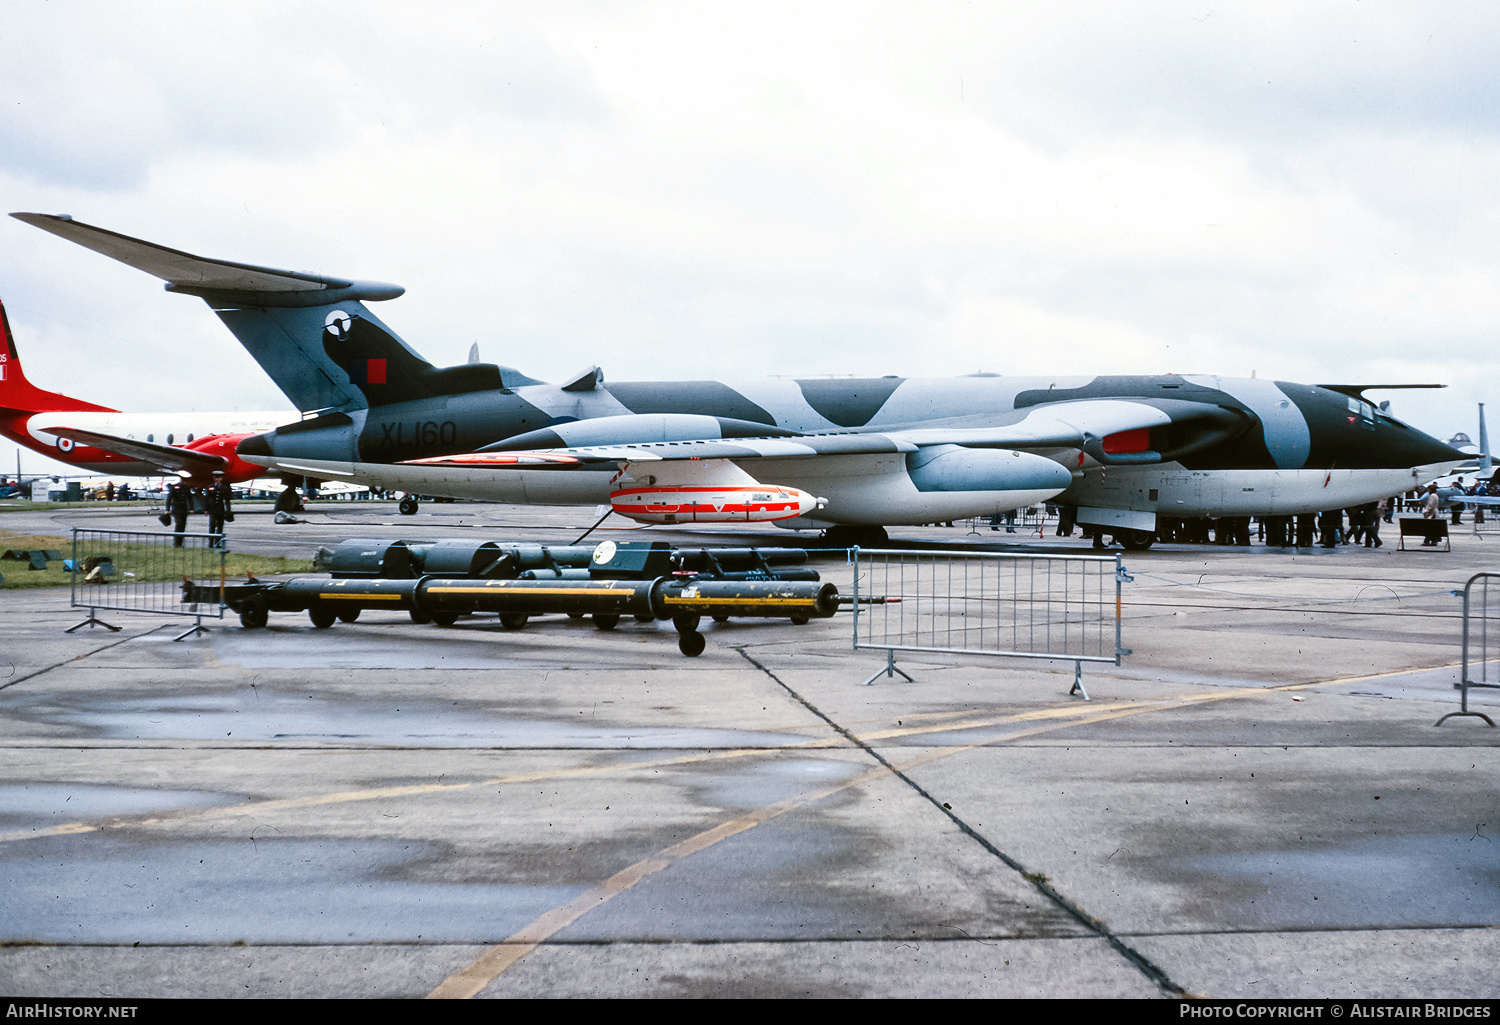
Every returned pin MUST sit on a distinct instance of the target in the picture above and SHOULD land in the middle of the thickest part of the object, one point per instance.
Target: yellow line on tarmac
(376, 793)
(419, 789)
(1077, 714)
(494, 961)
(489, 965)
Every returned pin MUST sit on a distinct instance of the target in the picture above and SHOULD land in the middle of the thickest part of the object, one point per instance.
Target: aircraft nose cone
(256, 445)
(1413, 448)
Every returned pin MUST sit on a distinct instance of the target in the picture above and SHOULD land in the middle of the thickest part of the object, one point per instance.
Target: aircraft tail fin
(311, 333)
(386, 371)
(305, 351)
(20, 395)
(278, 315)
(1485, 460)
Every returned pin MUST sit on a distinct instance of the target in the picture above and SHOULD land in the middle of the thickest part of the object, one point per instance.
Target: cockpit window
(1362, 413)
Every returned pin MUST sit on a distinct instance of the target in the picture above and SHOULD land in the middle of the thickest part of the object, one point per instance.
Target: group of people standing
(1359, 525)
(1329, 527)
(1455, 506)
(215, 500)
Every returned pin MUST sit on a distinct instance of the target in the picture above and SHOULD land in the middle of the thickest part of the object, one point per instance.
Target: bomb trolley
(682, 599)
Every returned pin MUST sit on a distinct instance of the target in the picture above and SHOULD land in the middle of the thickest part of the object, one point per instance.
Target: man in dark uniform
(1369, 518)
(1305, 523)
(179, 504)
(1330, 525)
(217, 502)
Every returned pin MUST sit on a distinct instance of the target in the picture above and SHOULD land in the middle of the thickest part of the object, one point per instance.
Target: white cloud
(674, 190)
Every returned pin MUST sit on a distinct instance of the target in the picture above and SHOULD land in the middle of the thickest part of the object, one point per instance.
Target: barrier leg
(889, 670)
(1078, 681)
(1464, 707)
(1474, 715)
(91, 622)
(195, 628)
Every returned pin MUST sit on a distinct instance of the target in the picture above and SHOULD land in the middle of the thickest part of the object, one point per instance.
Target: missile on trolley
(682, 599)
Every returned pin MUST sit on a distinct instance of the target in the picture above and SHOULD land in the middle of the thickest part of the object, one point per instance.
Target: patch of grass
(26, 505)
(149, 563)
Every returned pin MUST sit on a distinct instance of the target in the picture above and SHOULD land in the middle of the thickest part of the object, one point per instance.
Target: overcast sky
(1306, 191)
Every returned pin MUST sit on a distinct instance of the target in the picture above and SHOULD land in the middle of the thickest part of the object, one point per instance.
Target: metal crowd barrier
(1064, 607)
(137, 571)
(1481, 619)
(1031, 520)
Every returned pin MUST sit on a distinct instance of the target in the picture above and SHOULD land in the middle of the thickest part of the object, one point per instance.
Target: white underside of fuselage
(877, 490)
(1171, 491)
(864, 489)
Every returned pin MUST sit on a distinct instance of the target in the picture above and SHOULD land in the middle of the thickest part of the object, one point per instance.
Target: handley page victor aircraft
(849, 454)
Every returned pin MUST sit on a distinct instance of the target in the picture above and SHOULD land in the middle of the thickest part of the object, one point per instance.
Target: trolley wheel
(798, 620)
(348, 615)
(721, 617)
(445, 619)
(575, 615)
(513, 620)
(686, 623)
(321, 618)
(691, 643)
(644, 617)
(606, 620)
(254, 614)
(420, 617)
(408, 506)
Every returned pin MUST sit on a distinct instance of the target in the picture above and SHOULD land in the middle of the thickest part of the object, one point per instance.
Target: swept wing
(1089, 425)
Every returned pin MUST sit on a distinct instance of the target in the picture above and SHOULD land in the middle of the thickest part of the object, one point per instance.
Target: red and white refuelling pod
(725, 503)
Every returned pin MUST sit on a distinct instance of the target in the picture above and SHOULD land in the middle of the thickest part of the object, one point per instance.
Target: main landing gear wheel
(322, 618)
(408, 506)
(1135, 540)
